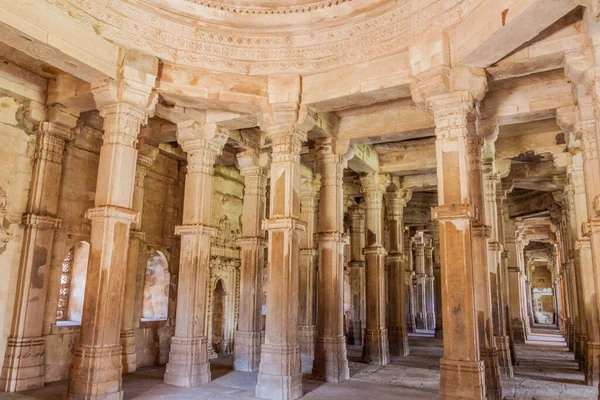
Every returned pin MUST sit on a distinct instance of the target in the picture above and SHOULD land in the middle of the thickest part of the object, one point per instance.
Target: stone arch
(155, 304)
(72, 283)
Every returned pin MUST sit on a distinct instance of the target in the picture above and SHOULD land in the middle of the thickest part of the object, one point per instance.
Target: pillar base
(188, 362)
(493, 385)
(421, 321)
(504, 359)
(355, 333)
(399, 341)
(246, 351)
(23, 365)
(376, 347)
(306, 340)
(592, 367)
(279, 377)
(462, 380)
(331, 360)
(96, 373)
(129, 355)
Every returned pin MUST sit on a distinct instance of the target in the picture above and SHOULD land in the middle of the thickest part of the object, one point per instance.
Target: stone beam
(72, 92)
(388, 122)
(545, 54)
(365, 159)
(22, 84)
(408, 158)
(543, 139)
(528, 98)
(42, 31)
(498, 27)
(358, 85)
(198, 88)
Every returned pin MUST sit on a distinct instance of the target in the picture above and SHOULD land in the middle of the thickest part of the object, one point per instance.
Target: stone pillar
(517, 323)
(584, 256)
(429, 287)
(23, 366)
(419, 292)
(461, 369)
(247, 336)
(493, 219)
(188, 359)
(97, 363)
(376, 344)
(331, 361)
(437, 280)
(411, 323)
(357, 274)
(146, 156)
(307, 318)
(279, 374)
(398, 334)
(483, 300)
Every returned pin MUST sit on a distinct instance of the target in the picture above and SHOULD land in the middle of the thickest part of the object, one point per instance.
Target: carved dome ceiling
(262, 37)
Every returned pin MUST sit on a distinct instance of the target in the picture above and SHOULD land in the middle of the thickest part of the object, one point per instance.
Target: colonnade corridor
(545, 370)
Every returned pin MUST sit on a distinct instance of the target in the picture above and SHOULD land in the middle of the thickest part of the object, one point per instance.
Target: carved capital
(443, 80)
(373, 187)
(286, 141)
(202, 143)
(396, 199)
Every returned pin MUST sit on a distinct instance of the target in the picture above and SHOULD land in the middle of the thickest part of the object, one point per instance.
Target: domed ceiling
(262, 37)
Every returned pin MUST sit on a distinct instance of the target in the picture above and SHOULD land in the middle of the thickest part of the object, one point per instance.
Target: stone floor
(545, 371)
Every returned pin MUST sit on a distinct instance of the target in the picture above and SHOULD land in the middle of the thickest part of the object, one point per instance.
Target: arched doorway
(218, 316)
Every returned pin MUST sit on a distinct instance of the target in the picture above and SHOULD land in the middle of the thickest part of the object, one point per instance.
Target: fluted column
(429, 287)
(357, 274)
(461, 369)
(419, 293)
(331, 361)
(146, 156)
(247, 337)
(307, 318)
(483, 298)
(375, 340)
(279, 374)
(23, 366)
(398, 333)
(188, 359)
(585, 263)
(97, 363)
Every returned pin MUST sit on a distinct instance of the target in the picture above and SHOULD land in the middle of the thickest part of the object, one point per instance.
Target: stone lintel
(196, 229)
(453, 211)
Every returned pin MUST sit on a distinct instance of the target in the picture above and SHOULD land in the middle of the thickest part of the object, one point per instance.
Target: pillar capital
(373, 186)
(436, 84)
(396, 200)
(253, 163)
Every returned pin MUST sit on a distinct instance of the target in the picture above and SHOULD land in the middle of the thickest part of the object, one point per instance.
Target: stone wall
(16, 164)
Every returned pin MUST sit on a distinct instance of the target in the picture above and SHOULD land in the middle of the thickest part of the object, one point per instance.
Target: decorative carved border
(183, 41)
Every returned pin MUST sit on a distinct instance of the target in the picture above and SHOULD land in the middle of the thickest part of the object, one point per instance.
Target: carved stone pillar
(279, 374)
(375, 341)
(461, 369)
(429, 287)
(420, 310)
(481, 273)
(398, 334)
(357, 274)
(247, 337)
(146, 156)
(307, 318)
(24, 358)
(437, 280)
(97, 363)
(411, 323)
(585, 262)
(188, 359)
(331, 361)
(517, 323)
